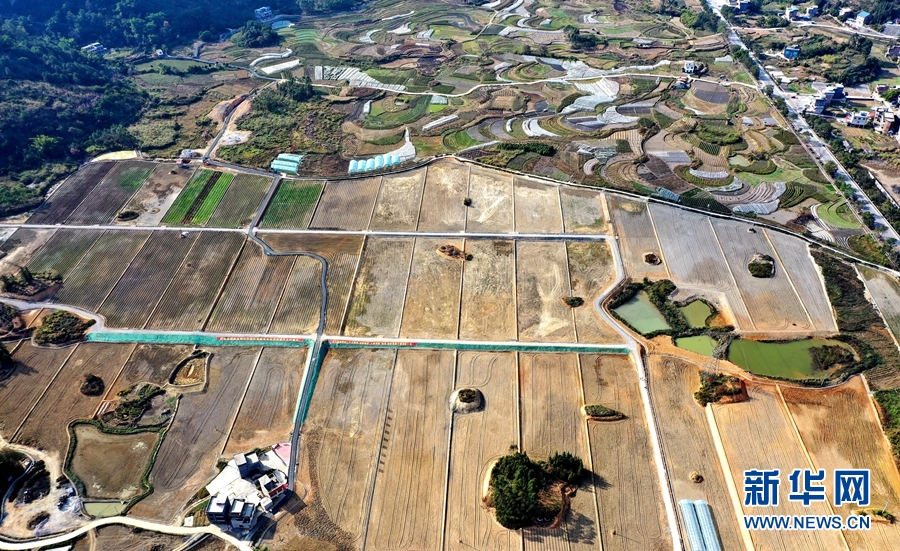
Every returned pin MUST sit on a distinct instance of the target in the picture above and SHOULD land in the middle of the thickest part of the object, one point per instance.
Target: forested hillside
(54, 103)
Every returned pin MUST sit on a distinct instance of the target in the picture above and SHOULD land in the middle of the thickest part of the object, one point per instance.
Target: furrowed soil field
(111, 465)
(591, 271)
(342, 254)
(380, 288)
(480, 438)
(20, 247)
(136, 294)
(293, 205)
(688, 445)
(254, 290)
(885, 290)
(488, 291)
(63, 251)
(446, 186)
(346, 204)
(492, 202)
(341, 439)
(551, 400)
(629, 499)
(805, 276)
(298, 312)
(582, 210)
(840, 430)
(542, 280)
(537, 208)
(58, 206)
(771, 302)
(695, 260)
(433, 294)
(149, 363)
(399, 201)
(111, 193)
(157, 194)
(758, 434)
(240, 203)
(101, 267)
(190, 296)
(266, 416)
(124, 538)
(415, 450)
(187, 457)
(35, 368)
(47, 425)
(636, 237)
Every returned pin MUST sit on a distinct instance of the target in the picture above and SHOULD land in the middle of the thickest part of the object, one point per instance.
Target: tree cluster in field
(28, 283)
(580, 40)
(599, 411)
(831, 356)
(92, 385)
(715, 386)
(706, 20)
(544, 149)
(61, 327)
(519, 487)
(255, 34)
(761, 266)
(135, 401)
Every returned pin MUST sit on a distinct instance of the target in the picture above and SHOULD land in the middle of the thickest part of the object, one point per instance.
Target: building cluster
(95, 48)
(246, 489)
(826, 97)
(792, 13)
(263, 13)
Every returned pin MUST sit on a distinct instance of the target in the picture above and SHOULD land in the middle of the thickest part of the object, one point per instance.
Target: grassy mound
(61, 327)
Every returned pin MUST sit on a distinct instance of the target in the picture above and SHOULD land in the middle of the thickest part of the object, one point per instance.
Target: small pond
(779, 359)
(701, 344)
(640, 313)
(696, 313)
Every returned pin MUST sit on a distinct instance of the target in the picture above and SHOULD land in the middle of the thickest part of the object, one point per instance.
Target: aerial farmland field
(138, 291)
(492, 202)
(433, 293)
(267, 410)
(47, 424)
(107, 198)
(247, 303)
(446, 187)
(636, 238)
(186, 302)
(58, 206)
(346, 204)
(629, 501)
(34, 371)
(100, 268)
(488, 291)
(20, 247)
(414, 453)
(238, 206)
(399, 201)
(688, 444)
(774, 445)
(63, 251)
(157, 194)
(537, 208)
(582, 210)
(591, 271)
(542, 280)
(198, 434)
(293, 205)
(380, 288)
(298, 311)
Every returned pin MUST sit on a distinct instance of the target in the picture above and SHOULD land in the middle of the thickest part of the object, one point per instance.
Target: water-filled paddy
(640, 313)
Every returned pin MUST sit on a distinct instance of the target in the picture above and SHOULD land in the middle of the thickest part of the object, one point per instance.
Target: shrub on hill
(61, 327)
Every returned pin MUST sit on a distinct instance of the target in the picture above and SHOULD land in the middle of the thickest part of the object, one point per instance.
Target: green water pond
(696, 312)
(701, 344)
(640, 313)
(778, 359)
